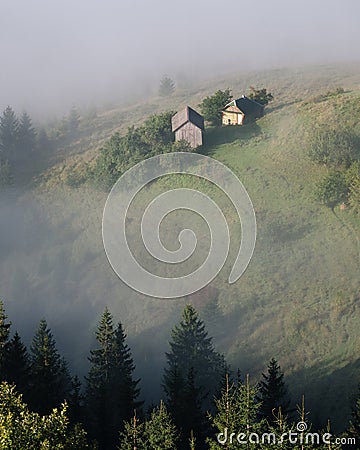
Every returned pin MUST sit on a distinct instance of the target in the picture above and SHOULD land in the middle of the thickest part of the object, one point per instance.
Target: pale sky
(55, 53)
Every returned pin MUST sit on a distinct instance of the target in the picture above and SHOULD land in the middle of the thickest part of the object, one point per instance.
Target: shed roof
(187, 115)
(246, 105)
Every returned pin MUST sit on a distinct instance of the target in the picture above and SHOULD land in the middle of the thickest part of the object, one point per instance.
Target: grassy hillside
(299, 299)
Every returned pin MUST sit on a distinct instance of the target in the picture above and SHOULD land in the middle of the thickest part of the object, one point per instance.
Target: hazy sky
(55, 53)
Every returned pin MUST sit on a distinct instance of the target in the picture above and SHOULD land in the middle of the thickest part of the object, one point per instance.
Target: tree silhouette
(273, 392)
(167, 86)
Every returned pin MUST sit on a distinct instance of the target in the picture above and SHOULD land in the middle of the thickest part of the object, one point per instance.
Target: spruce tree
(192, 364)
(73, 119)
(122, 376)
(236, 412)
(9, 128)
(98, 392)
(50, 379)
(26, 134)
(167, 86)
(75, 401)
(273, 392)
(160, 431)
(18, 365)
(4, 341)
(111, 391)
(133, 435)
(194, 421)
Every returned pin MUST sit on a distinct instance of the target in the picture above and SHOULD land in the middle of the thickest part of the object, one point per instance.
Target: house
(188, 125)
(241, 111)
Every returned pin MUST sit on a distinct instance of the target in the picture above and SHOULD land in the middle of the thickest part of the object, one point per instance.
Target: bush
(353, 180)
(211, 107)
(260, 96)
(120, 153)
(333, 147)
(332, 189)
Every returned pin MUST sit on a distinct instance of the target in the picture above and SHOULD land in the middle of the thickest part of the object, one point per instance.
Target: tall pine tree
(26, 135)
(111, 391)
(160, 431)
(18, 365)
(9, 129)
(236, 412)
(192, 365)
(50, 379)
(273, 392)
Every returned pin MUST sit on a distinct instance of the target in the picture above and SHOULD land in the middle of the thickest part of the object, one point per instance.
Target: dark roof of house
(246, 105)
(187, 115)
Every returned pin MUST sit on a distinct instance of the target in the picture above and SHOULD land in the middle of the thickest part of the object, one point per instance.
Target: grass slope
(299, 299)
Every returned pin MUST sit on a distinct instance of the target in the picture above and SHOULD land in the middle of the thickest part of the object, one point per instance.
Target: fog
(90, 53)
(55, 54)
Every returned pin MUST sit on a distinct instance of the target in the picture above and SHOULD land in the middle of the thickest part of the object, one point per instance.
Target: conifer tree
(9, 127)
(26, 134)
(111, 391)
(43, 143)
(122, 378)
(236, 412)
(4, 341)
(98, 391)
(278, 431)
(174, 387)
(18, 365)
(22, 429)
(50, 379)
(160, 431)
(167, 86)
(192, 366)
(273, 392)
(133, 435)
(194, 421)
(192, 441)
(73, 119)
(75, 401)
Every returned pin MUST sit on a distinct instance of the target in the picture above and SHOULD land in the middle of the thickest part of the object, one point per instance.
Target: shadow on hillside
(270, 109)
(226, 135)
(327, 395)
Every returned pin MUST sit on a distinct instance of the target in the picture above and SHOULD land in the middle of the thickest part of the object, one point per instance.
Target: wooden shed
(241, 111)
(188, 125)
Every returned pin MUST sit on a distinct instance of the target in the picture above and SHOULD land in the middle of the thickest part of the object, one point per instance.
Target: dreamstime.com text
(293, 437)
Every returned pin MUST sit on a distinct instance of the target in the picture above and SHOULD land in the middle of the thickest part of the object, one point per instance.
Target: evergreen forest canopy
(42, 405)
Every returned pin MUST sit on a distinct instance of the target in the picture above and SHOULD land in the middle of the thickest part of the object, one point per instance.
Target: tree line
(21, 142)
(204, 400)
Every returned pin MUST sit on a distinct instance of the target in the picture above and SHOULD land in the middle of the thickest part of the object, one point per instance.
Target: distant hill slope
(299, 299)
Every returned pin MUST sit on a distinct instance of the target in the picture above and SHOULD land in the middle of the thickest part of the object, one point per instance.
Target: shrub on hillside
(353, 180)
(332, 189)
(260, 96)
(332, 146)
(211, 107)
(120, 153)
